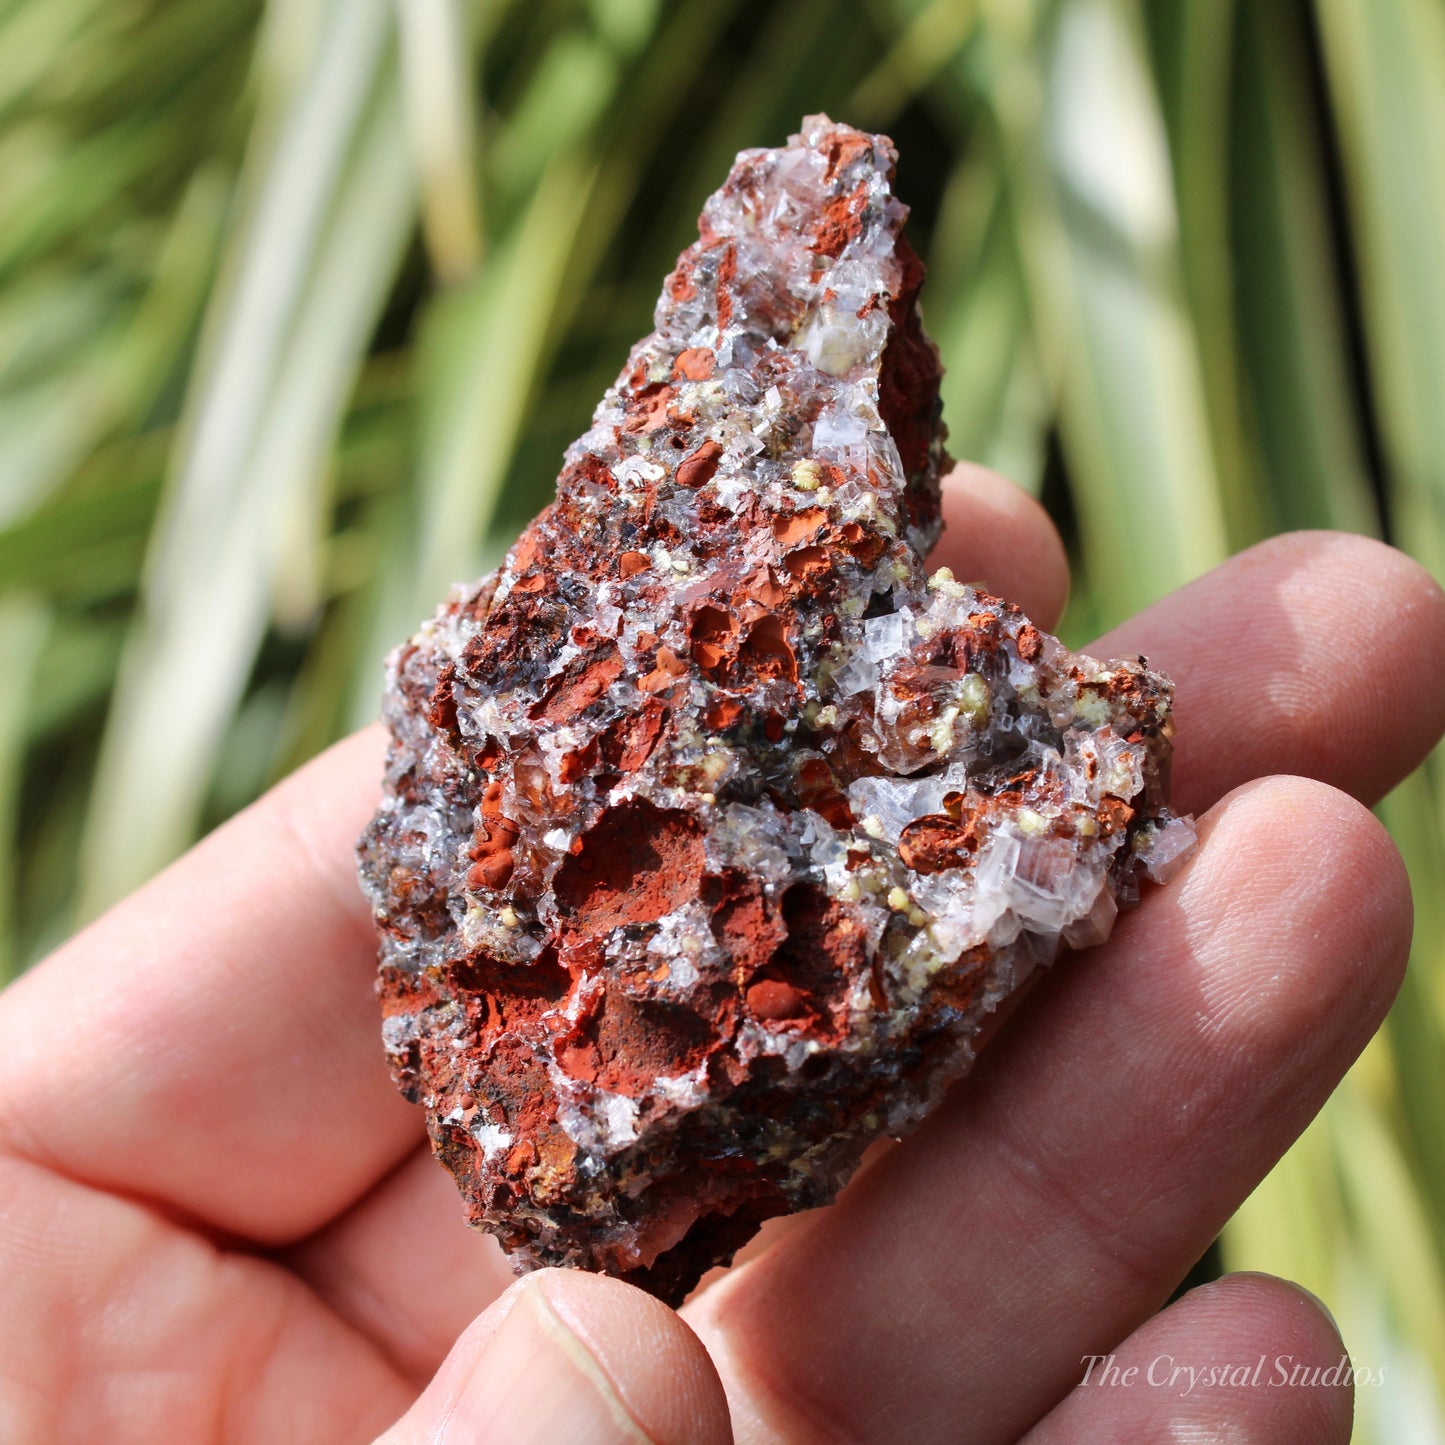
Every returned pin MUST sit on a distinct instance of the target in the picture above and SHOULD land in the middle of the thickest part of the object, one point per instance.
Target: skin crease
(217, 1222)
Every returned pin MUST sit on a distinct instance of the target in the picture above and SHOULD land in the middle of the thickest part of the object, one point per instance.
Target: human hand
(220, 1221)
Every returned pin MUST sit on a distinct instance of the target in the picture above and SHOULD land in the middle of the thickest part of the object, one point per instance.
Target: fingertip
(1311, 652)
(629, 1332)
(1356, 558)
(1371, 583)
(565, 1355)
(1248, 1358)
(1295, 838)
(1250, 1314)
(997, 536)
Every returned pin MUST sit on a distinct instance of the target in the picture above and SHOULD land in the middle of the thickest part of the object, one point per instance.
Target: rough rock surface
(714, 827)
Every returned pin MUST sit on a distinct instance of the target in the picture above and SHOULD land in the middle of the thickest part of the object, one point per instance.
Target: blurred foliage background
(301, 301)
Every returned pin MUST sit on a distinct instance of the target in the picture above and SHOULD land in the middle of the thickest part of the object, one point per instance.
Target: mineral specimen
(715, 827)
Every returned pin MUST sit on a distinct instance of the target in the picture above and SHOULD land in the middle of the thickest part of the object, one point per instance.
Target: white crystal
(493, 1139)
(883, 638)
(836, 430)
(855, 676)
(1168, 849)
(896, 802)
(1094, 926)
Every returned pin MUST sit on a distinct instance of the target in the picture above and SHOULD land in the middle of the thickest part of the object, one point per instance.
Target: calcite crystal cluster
(714, 826)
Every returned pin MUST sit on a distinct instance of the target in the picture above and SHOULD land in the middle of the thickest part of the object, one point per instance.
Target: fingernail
(537, 1381)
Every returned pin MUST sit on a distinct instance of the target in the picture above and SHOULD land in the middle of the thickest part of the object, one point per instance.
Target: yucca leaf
(995, 398)
(436, 86)
(1087, 164)
(1295, 350)
(1416, 1026)
(1194, 42)
(1393, 1237)
(926, 43)
(1385, 62)
(311, 274)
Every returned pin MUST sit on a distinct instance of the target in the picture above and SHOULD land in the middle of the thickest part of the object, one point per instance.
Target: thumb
(568, 1356)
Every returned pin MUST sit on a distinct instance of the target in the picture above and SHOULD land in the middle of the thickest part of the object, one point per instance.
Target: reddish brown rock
(714, 826)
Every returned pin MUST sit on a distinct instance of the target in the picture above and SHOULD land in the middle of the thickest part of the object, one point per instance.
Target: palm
(221, 1223)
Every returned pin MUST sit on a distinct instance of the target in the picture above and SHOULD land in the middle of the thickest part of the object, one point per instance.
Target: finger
(1316, 653)
(1107, 1134)
(998, 537)
(576, 1357)
(211, 1043)
(1248, 1359)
